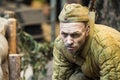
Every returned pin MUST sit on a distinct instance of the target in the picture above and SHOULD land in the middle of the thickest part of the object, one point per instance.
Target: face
(74, 35)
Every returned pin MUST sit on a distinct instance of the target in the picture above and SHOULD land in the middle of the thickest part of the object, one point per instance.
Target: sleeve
(62, 68)
(109, 61)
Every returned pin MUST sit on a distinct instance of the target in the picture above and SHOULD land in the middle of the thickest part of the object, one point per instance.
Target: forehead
(72, 26)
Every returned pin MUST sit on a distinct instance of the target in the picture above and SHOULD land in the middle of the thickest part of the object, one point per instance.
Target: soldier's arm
(62, 69)
(109, 61)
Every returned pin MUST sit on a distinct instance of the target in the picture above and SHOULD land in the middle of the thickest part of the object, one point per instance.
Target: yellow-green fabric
(74, 13)
(100, 60)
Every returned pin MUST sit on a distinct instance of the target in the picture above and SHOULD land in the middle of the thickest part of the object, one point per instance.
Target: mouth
(70, 48)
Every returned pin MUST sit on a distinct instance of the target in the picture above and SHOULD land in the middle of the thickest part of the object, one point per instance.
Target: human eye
(75, 35)
(64, 34)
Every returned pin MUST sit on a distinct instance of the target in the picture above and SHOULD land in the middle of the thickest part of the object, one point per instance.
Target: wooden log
(11, 31)
(12, 36)
(14, 68)
(13, 58)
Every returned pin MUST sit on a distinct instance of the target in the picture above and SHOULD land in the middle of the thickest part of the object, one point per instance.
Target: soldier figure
(85, 50)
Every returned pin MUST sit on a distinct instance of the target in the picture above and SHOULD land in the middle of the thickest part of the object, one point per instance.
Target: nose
(69, 40)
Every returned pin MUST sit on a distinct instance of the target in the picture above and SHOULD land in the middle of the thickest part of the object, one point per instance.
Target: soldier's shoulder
(58, 38)
(105, 28)
(59, 42)
(106, 36)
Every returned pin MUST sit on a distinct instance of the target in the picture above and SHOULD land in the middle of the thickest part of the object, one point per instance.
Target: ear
(87, 30)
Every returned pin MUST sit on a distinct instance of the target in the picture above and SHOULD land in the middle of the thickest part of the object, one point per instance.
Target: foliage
(34, 53)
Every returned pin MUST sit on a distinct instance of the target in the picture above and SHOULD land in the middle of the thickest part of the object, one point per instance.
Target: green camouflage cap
(74, 13)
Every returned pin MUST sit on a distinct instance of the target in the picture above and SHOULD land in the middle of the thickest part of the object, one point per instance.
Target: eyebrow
(63, 32)
(77, 32)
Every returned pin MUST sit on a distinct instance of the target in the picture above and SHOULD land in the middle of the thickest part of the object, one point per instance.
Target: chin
(71, 51)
